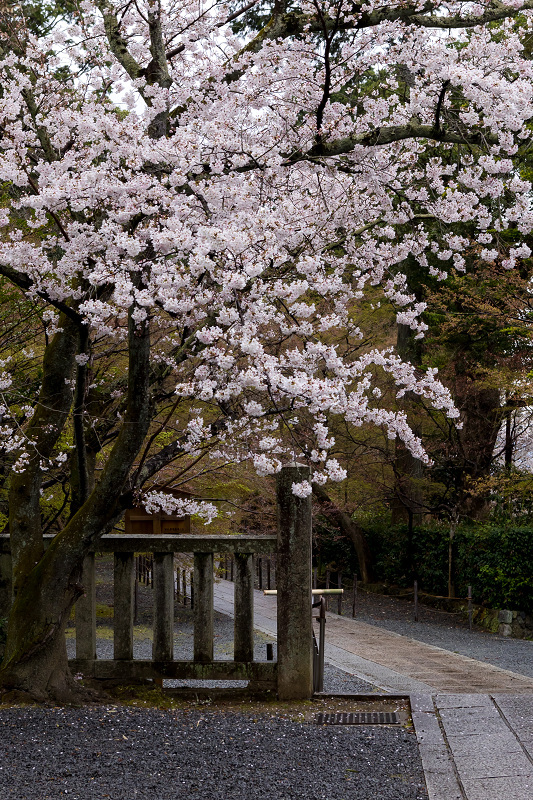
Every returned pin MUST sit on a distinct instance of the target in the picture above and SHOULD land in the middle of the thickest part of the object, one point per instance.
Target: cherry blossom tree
(215, 206)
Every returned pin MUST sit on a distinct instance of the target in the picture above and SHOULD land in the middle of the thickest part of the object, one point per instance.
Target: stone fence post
(294, 585)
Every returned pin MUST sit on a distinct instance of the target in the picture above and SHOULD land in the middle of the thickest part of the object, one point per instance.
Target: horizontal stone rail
(263, 672)
(172, 543)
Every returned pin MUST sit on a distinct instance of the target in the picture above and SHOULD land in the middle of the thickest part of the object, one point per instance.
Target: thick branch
(79, 423)
(388, 135)
(24, 282)
(42, 434)
(295, 23)
(439, 105)
(117, 43)
(85, 528)
(152, 465)
(157, 70)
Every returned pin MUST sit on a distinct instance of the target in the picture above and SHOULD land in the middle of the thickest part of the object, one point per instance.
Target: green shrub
(496, 560)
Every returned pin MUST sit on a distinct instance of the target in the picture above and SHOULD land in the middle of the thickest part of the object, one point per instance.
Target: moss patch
(103, 611)
(140, 633)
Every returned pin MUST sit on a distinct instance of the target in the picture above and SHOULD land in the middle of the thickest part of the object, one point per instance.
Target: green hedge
(496, 560)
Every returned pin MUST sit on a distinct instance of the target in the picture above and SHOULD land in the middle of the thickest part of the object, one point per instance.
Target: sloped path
(386, 659)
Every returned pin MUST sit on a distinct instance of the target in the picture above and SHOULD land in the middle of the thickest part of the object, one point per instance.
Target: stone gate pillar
(294, 584)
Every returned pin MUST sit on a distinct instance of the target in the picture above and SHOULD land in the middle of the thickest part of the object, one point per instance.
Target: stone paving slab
(484, 744)
(496, 765)
(512, 788)
(517, 711)
(462, 700)
(471, 721)
(484, 752)
(439, 769)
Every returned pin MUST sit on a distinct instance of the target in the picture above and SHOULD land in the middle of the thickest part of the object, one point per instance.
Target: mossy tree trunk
(46, 584)
(350, 528)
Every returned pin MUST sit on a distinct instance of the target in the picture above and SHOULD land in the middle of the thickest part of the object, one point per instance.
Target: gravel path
(47, 754)
(444, 630)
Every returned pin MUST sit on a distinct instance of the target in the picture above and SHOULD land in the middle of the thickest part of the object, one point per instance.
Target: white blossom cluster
(247, 230)
(155, 502)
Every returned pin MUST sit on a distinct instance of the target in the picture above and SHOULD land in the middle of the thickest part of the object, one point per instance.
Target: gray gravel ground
(123, 754)
(444, 630)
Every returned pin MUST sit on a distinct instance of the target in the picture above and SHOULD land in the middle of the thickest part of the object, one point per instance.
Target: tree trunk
(454, 521)
(35, 659)
(407, 502)
(482, 416)
(348, 527)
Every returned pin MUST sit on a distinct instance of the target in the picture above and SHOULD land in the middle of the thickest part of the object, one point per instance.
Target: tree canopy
(196, 215)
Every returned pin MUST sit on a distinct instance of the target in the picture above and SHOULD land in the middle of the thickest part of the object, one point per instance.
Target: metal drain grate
(358, 718)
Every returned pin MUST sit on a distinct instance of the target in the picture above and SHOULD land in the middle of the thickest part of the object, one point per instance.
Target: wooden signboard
(137, 520)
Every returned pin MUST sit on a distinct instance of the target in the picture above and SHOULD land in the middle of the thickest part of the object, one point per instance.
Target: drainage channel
(358, 718)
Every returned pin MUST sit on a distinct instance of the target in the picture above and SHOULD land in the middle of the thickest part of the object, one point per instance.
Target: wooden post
(354, 601)
(339, 599)
(203, 607)
(163, 643)
(123, 605)
(191, 581)
(184, 584)
(86, 612)
(293, 578)
(260, 572)
(244, 608)
(328, 574)
(178, 591)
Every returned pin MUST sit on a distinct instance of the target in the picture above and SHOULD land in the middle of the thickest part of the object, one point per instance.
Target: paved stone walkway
(473, 721)
(387, 660)
(475, 746)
